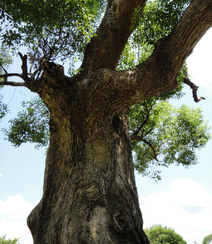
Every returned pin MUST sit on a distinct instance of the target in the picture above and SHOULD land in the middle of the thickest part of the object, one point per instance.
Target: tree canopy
(164, 134)
(207, 239)
(163, 235)
(50, 29)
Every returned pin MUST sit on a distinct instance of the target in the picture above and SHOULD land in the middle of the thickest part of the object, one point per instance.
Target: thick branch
(10, 75)
(194, 23)
(158, 73)
(11, 83)
(23, 76)
(194, 89)
(105, 48)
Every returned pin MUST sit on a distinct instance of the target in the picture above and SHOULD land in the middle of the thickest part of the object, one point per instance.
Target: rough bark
(89, 193)
(105, 48)
(89, 190)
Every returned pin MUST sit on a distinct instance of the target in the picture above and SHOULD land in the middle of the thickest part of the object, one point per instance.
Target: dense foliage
(158, 20)
(166, 135)
(50, 29)
(31, 125)
(207, 239)
(163, 235)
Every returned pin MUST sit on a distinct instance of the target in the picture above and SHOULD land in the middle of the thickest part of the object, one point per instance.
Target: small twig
(194, 89)
(12, 96)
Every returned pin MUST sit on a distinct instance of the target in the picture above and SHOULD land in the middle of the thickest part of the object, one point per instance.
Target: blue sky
(182, 200)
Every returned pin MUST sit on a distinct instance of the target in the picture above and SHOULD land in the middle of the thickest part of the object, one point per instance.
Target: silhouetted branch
(12, 83)
(194, 89)
(24, 75)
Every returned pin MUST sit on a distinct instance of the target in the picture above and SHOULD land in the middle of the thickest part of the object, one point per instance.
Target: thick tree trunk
(89, 187)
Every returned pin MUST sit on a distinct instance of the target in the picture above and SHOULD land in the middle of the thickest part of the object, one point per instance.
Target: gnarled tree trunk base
(89, 188)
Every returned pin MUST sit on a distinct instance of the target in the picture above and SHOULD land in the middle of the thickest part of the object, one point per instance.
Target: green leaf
(169, 135)
(31, 125)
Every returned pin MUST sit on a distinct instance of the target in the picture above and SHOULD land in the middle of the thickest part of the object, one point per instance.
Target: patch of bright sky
(186, 208)
(200, 63)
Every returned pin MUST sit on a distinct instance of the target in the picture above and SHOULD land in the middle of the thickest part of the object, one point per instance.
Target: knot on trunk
(121, 222)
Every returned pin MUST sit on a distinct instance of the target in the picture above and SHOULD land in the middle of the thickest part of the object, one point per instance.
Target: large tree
(89, 193)
(207, 239)
(163, 235)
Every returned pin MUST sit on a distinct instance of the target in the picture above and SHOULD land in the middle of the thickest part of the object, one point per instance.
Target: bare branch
(10, 74)
(12, 83)
(194, 89)
(24, 75)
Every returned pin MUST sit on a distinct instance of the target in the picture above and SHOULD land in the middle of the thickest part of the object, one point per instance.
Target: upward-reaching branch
(24, 67)
(158, 73)
(105, 48)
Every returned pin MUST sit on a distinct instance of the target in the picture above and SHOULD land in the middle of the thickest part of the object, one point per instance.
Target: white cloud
(200, 63)
(13, 215)
(0, 174)
(187, 208)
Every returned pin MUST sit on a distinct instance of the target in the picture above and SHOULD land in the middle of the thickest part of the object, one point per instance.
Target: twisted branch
(194, 89)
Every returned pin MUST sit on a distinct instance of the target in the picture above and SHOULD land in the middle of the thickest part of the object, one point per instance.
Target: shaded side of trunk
(89, 188)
